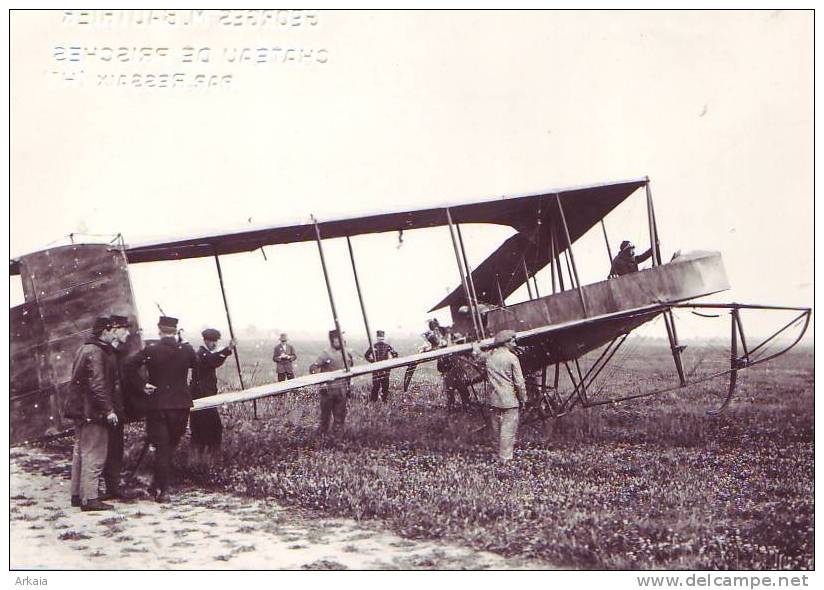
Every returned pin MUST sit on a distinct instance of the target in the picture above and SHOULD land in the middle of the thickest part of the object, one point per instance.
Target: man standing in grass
(333, 395)
(94, 377)
(381, 351)
(284, 356)
(205, 425)
(506, 393)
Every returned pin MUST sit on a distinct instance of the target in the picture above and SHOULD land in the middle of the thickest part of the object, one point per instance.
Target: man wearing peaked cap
(168, 363)
(205, 425)
(380, 351)
(210, 335)
(167, 322)
(118, 321)
(284, 356)
(507, 394)
(114, 454)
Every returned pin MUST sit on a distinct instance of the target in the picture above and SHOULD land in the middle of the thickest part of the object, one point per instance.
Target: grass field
(647, 484)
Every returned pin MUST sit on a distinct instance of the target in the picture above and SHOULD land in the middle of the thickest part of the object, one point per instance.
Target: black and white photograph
(307, 289)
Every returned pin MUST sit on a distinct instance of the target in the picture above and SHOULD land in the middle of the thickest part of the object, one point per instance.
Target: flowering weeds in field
(653, 484)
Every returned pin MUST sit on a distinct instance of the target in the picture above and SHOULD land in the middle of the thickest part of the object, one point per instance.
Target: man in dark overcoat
(168, 362)
(205, 425)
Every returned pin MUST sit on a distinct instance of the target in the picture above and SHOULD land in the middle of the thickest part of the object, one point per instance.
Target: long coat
(168, 362)
(94, 377)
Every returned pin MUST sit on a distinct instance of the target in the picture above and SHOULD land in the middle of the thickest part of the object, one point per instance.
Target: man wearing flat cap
(380, 351)
(333, 396)
(168, 363)
(114, 455)
(284, 356)
(507, 391)
(626, 262)
(205, 425)
(89, 404)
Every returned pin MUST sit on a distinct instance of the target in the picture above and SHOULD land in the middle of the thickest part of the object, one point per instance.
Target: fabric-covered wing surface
(583, 207)
(502, 273)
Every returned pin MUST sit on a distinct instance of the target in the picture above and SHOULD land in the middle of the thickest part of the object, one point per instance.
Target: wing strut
(669, 319)
(526, 276)
(231, 329)
(331, 297)
(360, 296)
(470, 280)
(461, 273)
(606, 240)
(570, 255)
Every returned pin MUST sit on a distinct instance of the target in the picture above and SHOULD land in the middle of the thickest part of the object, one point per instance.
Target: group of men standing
(96, 402)
(102, 373)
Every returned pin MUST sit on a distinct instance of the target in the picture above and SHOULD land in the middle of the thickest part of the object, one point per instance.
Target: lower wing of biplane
(562, 345)
(558, 330)
(66, 287)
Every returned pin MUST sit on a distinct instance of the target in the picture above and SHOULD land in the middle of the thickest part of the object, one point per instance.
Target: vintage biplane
(66, 287)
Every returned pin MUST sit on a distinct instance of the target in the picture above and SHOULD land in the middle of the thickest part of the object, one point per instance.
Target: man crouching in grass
(507, 394)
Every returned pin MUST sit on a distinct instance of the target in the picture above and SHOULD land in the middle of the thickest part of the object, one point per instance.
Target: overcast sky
(385, 111)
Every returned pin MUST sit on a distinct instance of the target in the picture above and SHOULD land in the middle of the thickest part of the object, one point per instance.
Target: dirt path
(200, 530)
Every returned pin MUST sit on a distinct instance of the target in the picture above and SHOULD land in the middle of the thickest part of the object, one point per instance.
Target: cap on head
(626, 244)
(284, 337)
(504, 336)
(101, 324)
(118, 321)
(380, 334)
(167, 322)
(334, 334)
(210, 334)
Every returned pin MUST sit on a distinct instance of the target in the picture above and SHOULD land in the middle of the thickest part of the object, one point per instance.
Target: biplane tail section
(65, 288)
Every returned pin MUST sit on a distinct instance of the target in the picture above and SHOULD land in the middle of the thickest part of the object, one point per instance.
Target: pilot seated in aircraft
(626, 262)
(334, 395)
(205, 425)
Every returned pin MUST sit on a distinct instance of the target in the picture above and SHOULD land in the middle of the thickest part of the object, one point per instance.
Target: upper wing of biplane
(283, 387)
(583, 206)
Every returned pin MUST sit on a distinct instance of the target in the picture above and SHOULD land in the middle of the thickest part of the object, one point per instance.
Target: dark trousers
(285, 376)
(380, 381)
(114, 459)
(206, 428)
(453, 383)
(332, 405)
(164, 429)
